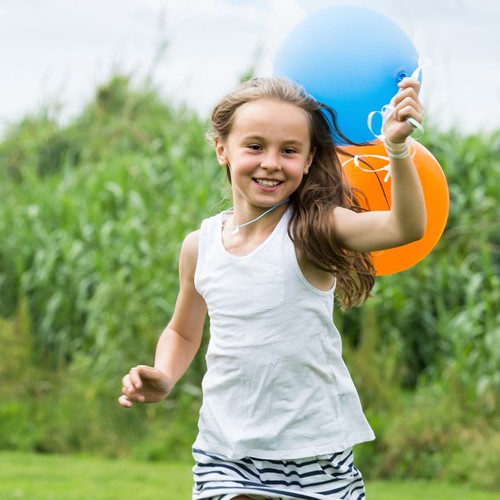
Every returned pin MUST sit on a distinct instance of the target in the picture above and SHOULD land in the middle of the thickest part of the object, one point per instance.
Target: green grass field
(48, 477)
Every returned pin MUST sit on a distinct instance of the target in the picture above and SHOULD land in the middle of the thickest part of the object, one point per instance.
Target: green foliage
(16, 375)
(36, 144)
(88, 256)
(95, 249)
(467, 309)
(93, 216)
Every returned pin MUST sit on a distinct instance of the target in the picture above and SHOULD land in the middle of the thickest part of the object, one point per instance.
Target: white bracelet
(397, 151)
(399, 156)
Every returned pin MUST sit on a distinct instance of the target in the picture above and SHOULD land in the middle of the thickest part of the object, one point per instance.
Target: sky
(58, 51)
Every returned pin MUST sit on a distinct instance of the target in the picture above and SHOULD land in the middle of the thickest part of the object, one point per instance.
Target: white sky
(59, 50)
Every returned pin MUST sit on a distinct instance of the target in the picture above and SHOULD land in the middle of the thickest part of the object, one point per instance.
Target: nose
(271, 161)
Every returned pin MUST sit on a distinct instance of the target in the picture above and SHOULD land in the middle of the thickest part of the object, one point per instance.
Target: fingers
(407, 109)
(135, 377)
(125, 402)
(407, 97)
(132, 394)
(406, 103)
(131, 386)
(412, 83)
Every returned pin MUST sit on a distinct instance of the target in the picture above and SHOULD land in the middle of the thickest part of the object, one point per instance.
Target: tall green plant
(94, 248)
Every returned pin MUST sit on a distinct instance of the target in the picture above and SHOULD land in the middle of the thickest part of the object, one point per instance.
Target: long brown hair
(322, 189)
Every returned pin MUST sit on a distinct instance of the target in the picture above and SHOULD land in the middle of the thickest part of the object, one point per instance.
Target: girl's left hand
(406, 105)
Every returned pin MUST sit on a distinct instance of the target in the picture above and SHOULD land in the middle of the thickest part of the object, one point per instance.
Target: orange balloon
(371, 175)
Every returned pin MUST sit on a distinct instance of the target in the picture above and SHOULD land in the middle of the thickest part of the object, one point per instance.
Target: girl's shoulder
(189, 250)
(191, 240)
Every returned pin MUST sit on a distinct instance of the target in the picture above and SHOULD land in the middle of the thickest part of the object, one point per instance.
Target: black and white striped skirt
(323, 477)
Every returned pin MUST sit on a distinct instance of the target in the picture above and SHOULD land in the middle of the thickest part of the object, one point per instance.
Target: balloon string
(387, 167)
(386, 112)
(423, 62)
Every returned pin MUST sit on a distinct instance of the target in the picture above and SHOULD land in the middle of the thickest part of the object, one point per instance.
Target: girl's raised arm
(405, 221)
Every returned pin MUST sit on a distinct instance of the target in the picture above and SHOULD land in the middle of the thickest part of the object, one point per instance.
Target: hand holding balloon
(404, 109)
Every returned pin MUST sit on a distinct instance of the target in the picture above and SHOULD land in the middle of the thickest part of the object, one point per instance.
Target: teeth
(264, 182)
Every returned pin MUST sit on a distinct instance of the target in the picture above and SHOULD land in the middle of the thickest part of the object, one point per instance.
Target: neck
(235, 228)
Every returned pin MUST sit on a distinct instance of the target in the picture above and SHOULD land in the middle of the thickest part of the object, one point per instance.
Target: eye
(254, 147)
(289, 151)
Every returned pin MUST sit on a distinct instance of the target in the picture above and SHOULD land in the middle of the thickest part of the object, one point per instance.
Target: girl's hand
(407, 105)
(144, 384)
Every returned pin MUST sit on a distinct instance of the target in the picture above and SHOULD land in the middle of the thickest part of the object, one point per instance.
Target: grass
(420, 490)
(44, 477)
(52, 477)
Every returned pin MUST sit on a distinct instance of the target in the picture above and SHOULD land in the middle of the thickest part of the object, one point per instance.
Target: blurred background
(104, 169)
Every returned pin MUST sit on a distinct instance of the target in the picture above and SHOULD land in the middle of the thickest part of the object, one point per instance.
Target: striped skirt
(331, 477)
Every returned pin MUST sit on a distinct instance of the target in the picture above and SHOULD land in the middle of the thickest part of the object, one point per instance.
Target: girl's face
(268, 151)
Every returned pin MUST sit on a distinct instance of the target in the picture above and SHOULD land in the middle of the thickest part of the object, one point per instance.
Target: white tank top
(276, 386)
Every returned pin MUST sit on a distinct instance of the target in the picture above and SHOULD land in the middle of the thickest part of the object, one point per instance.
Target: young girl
(280, 413)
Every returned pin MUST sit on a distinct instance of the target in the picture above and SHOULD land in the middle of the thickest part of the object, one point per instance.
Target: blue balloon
(349, 58)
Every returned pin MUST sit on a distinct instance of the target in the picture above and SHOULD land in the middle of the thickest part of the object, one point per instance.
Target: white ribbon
(387, 167)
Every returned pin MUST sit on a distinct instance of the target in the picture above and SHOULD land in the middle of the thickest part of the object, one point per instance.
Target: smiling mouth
(267, 183)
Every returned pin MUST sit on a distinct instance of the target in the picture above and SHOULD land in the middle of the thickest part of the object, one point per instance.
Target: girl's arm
(406, 220)
(178, 343)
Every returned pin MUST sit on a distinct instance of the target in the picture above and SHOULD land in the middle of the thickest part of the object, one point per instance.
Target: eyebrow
(256, 137)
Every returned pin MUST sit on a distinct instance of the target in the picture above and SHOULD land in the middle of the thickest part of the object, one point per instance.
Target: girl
(280, 413)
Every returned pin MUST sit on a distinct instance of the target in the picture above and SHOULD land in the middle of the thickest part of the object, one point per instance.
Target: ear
(309, 161)
(220, 151)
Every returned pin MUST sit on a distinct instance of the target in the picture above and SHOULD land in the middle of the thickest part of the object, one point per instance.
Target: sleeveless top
(276, 386)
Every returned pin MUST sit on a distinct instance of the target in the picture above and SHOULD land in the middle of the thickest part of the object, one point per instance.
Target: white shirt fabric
(276, 386)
